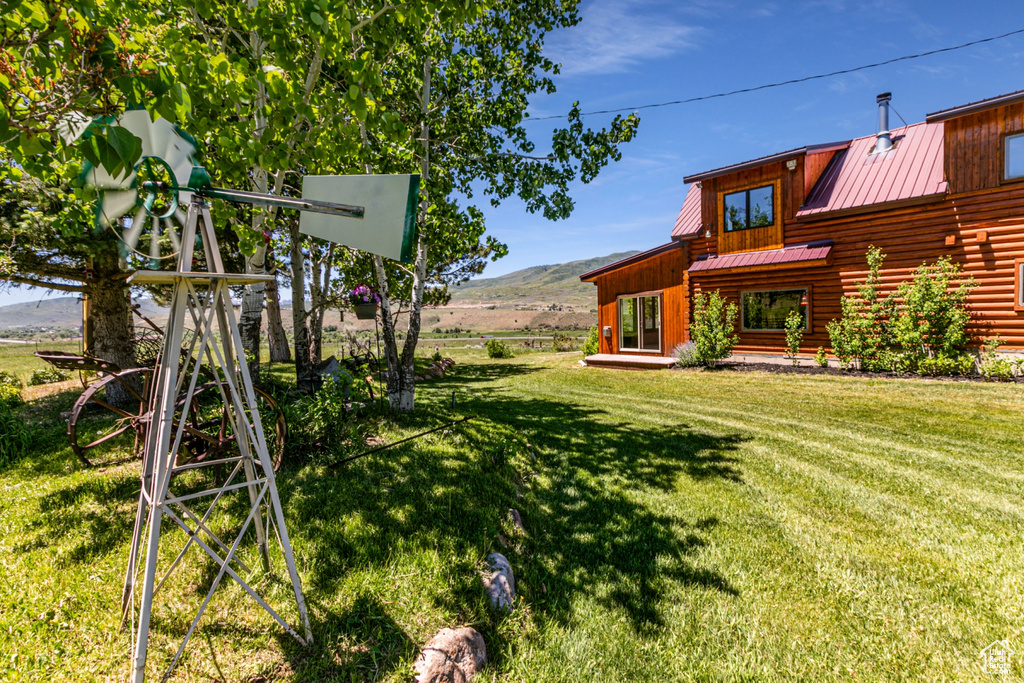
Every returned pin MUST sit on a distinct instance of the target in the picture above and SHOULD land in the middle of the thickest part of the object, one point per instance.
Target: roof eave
(629, 260)
(974, 107)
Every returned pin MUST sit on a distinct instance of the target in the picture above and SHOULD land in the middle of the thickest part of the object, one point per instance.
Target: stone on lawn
(499, 583)
(451, 656)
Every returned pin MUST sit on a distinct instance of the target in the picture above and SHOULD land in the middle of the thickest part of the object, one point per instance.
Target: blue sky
(624, 54)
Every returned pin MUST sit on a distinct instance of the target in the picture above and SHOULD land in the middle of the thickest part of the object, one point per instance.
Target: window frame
(1005, 149)
(657, 295)
(1018, 284)
(747, 189)
(808, 327)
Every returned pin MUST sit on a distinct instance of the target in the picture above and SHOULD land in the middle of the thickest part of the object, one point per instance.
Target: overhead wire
(791, 81)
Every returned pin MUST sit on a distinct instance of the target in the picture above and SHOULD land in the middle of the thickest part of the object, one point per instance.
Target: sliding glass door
(640, 323)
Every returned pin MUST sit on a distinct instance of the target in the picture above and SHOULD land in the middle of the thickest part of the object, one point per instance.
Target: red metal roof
(856, 178)
(635, 258)
(813, 251)
(688, 223)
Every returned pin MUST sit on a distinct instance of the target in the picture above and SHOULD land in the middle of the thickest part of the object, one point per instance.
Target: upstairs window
(1013, 156)
(746, 209)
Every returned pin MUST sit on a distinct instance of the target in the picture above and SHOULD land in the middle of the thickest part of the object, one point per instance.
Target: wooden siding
(814, 166)
(974, 147)
(908, 237)
(663, 272)
(790, 198)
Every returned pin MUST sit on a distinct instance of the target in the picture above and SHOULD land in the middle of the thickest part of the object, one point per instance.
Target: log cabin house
(790, 232)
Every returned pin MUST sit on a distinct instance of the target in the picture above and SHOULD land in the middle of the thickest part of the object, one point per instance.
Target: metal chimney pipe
(884, 143)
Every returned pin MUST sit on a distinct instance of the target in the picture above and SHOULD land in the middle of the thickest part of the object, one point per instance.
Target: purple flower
(363, 295)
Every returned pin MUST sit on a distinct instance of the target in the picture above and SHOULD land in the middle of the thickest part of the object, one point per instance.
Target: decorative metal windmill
(153, 193)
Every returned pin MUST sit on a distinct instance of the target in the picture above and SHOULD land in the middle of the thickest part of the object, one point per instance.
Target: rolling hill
(559, 284)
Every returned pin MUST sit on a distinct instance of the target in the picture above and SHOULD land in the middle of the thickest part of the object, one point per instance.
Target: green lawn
(679, 526)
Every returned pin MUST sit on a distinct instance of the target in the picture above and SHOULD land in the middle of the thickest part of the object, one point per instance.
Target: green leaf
(316, 18)
(124, 145)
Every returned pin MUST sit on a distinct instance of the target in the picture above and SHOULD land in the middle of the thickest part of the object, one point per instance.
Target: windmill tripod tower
(202, 336)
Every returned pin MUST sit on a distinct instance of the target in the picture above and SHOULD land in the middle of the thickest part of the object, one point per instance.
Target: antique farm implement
(100, 426)
(198, 407)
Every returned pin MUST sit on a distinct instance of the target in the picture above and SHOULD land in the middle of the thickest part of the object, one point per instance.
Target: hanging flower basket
(366, 311)
(364, 301)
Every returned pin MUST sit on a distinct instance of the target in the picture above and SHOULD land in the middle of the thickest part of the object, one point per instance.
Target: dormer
(745, 207)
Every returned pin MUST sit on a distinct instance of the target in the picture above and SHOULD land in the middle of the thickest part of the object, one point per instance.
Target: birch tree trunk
(251, 317)
(300, 329)
(401, 369)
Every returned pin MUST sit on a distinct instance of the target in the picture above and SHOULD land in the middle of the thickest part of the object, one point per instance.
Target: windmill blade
(154, 243)
(131, 236)
(102, 180)
(141, 126)
(172, 233)
(113, 204)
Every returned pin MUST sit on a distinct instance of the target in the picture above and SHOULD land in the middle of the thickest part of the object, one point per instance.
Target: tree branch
(42, 284)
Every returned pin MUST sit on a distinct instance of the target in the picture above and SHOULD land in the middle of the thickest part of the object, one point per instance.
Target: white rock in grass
(500, 583)
(451, 656)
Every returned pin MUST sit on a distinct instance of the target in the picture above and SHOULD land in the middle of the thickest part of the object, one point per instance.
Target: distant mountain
(64, 312)
(558, 283)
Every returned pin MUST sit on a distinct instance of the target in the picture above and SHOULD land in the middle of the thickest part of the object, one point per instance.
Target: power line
(789, 82)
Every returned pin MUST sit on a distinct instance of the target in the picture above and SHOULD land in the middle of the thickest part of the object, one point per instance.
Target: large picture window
(768, 310)
(640, 323)
(1013, 156)
(753, 208)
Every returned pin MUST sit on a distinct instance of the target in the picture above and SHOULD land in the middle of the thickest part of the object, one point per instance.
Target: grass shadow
(590, 531)
(361, 642)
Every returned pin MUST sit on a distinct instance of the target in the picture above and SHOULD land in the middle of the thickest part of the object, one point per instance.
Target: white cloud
(615, 37)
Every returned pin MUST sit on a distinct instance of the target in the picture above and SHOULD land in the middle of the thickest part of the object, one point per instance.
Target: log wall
(665, 273)
(908, 237)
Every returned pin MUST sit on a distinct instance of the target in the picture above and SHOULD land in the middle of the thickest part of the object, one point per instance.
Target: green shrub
(794, 334)
(932, 316)
(863, 332)
(9, 379)
(686, 355)
(9, 396)
(992, 366)
(320, 424)
(713, 331)
(496, 348)
(49, 375)
(921, 327)
(15, 434)
(592, 345)
(821, 358)
(563, 342)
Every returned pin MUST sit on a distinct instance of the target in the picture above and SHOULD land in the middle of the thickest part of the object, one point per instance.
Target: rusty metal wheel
(210, 434)
(99, 430)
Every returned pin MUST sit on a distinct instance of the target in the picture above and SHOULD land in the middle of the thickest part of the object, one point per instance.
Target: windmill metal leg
(245, 445)
(133, 558)
(142, 641)
(158, 443)
(275, 500)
